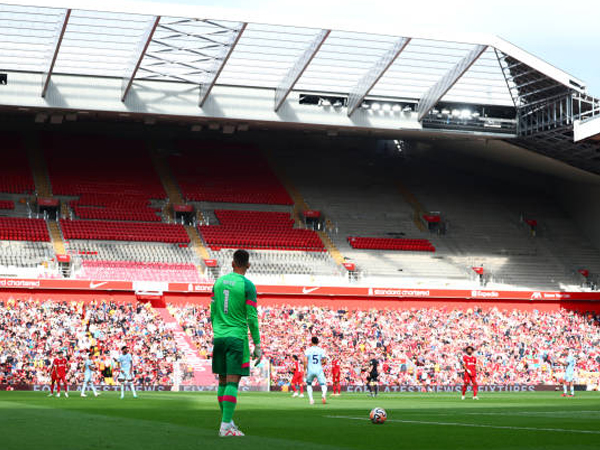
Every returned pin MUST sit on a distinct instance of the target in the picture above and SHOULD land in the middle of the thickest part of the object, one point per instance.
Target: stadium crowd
(421, 346)
(32, 332)
(416, 346)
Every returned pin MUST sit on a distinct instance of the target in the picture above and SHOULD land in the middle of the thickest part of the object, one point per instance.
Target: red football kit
(59, 373)
(336, 373)
(470, 377)
(298, 377)
(60, 368)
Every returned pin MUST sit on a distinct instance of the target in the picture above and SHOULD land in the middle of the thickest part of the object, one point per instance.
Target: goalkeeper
(233, 312)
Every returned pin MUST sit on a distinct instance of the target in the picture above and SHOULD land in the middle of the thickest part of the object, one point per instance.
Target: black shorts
(373, 377)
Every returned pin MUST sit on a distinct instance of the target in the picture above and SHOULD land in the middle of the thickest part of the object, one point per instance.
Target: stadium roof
(205, 64)
(191, 45)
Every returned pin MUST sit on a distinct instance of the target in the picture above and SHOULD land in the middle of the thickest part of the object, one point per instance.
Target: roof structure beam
(370, 79)
(220, 62)
(62, 27)
(139, 57)
(291, 78)
(450, 78)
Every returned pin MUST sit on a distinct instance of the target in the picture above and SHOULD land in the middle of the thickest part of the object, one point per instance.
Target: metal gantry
(293, 75)
(58, 38)
(219, 63)
(368, 81)
(444, 84)
(138, 57)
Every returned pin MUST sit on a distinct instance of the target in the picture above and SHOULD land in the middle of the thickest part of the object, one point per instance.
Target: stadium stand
(258, 230)
(284, 266)
(408, 245)
(113, 179)
(481, 216)
(21, 229)
(131, 251)
(216, 172)
(123, 231)
(139, 271)
(15, 172)
(7, 204)
(24, 254)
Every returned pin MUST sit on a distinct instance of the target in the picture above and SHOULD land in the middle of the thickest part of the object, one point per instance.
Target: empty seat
(411, 245)
(124, 231)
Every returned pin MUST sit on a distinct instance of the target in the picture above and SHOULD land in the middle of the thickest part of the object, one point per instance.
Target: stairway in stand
(301, 205)
(56, 237)
(202, 367)
(44, 188)
(175, 198)
(38, 166)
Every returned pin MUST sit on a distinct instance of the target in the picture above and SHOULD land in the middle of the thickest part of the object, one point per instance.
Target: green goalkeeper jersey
(233, 308)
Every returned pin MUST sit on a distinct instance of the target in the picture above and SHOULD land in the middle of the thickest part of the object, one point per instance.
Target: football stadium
(222, 231)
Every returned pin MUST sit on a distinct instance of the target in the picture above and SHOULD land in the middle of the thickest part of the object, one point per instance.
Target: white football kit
(315, 356)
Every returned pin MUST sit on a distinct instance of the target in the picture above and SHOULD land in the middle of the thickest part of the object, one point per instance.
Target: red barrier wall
(329, 301)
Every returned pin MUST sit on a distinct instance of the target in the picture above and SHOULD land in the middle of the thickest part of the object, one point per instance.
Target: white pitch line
(475, 425)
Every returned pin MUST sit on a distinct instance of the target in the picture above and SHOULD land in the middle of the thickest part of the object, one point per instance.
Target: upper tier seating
(7, 204)
(124, 231)
(216, 172)
(114, 178)
(410, 245)
(259, 230)
(20, 229)
(139, 271)
(115, 207)
(15, 173)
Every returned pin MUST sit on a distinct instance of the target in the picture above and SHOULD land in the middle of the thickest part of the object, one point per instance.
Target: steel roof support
(370, 79)
(439, 89)
(135, 64)
(291, 78)
(62, 27)
(220, 62)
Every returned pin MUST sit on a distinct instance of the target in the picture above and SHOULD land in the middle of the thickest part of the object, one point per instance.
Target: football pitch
(176, 421)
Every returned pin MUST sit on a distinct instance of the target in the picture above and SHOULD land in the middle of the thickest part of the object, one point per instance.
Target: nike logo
(309, 290)
(97, 285)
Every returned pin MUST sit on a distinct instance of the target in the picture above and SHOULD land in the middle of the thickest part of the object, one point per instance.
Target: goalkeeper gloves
(257, 355)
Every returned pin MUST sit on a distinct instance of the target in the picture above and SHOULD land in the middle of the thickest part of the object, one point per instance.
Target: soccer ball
(378, 415)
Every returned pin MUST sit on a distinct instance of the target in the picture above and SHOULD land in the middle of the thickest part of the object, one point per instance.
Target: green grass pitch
(179, 421)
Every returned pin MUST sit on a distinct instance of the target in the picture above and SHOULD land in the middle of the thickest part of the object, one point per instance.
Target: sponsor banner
(301, 291)
(117, 388)
(450, 388)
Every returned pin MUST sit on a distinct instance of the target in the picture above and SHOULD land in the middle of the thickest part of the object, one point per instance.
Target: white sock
(123, 390)
(572, 389)
(324, 390)
(565, 388)
(84, 387)
(309, 392)
(93, 389)
(132, 387)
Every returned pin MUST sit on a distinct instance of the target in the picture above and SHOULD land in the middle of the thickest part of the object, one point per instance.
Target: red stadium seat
(124, 231)
(114, 179)
(21, 229)
(217, 172)
(259, 230)
(411, 245)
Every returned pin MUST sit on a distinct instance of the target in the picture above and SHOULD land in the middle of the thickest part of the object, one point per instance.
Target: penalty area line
(474, 425)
